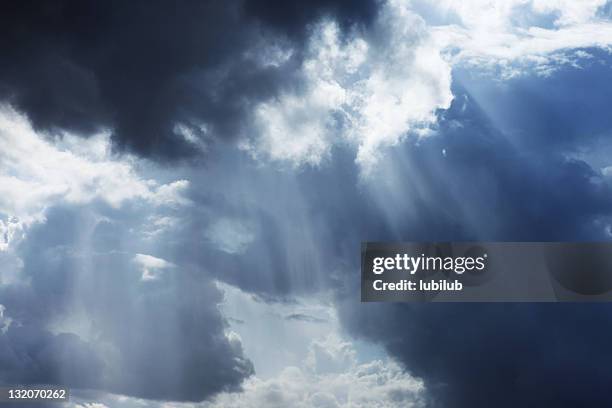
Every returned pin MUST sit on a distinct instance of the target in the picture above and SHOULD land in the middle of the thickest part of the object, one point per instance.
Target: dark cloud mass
(503, 355)
(293, 17)
(507, 355)
(142, 67)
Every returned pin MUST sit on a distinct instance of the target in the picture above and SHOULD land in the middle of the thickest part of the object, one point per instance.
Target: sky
(184, 188)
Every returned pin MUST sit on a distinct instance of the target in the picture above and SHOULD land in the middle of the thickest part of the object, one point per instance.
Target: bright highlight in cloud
(37, 172)
(368, 90)
(371, 89)
(346, 384)
(152, 267)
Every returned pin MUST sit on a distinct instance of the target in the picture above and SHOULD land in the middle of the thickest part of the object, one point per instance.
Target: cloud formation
(112, 264)
(38, 173)
(290, 84)
(330, 378)
(368, 89)
(84, 303)
(164, 78)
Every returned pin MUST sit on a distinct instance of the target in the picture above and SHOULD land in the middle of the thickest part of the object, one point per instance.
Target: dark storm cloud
(84, 318)
(474, 180)
(495, 186)
(142, 67)
(293, 17)
(502, 355)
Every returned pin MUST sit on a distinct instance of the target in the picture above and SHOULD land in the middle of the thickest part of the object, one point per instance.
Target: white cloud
(314, 365)
(407, 81)
(157, 225)
(36, 172)
(308, 362)
(5, 321)
(11, 230)
(151, 267)
(520, 35)
(331, 355)
(372, 89)
(230, 235)
(171, 194)
(368, 91)
(376, 384)
(330, 378)
(277, 334)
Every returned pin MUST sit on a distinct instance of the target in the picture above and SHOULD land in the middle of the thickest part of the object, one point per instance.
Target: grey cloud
(86, 320)
(487, 186)
(506, 355)
(305, 318)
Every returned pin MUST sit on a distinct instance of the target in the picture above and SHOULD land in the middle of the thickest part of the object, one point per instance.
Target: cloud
(293, 20)
(230, 235)
(151, 266)
(38, 173)
(146, 71)
(369, 89)
(81, 301)
(74, 248)
(5, 321)
(505, 355)
(501, 186)
(372, 88)
(305, 318)
(518, 160)
(379, 383)
(331, 378)
(516, 37)
(90, 405)
(292, 84)
(318, 366)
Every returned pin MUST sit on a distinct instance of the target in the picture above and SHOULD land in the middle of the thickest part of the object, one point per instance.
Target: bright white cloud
(376, 384)
(331, 355)
(11, 230)
(372, 89)
(368, 91)
(37, 172)
(517, 35)
(151, 267)
(330, 378)
(318, 367)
